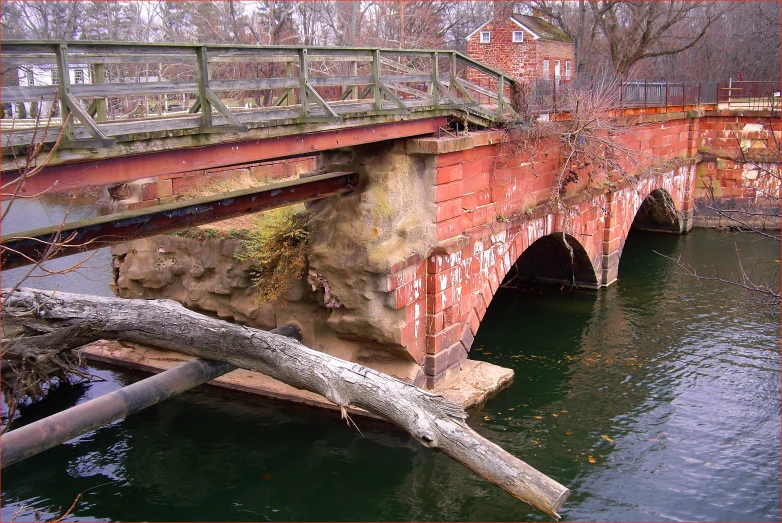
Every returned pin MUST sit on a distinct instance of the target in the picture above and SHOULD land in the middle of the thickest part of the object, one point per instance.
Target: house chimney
(503, 9)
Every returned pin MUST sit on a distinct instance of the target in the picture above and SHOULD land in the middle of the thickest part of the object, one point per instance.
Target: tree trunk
(45, 322)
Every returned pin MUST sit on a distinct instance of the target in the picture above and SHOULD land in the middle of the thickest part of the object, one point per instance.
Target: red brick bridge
(490, 218)
(409, 261)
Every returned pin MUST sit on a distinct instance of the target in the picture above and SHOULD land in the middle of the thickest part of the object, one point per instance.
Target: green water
(656, 399)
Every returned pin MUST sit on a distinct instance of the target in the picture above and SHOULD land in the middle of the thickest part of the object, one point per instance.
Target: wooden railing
(102, 93)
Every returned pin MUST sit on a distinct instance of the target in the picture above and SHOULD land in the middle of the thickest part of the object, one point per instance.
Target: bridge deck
(105, 96)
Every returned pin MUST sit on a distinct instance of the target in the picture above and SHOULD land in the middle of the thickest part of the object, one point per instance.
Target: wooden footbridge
(122, 111)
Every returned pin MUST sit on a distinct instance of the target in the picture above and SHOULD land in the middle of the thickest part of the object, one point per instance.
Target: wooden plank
(392, 97)
(203, 84)
(99, 77)
(222, 109)
(303, 78)
(399, 67)
(376, 93)
(458, 83)
(128, 49)
(477, 88)
(321, 102)
(410, 78)
(254, 84)
(409, 90)
(86, 121)
(64, 90)
(323, 81)
(131, 89)
(14, 94)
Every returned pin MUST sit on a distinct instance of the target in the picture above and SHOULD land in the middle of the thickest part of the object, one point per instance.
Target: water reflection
(94, 275)
(655, 399)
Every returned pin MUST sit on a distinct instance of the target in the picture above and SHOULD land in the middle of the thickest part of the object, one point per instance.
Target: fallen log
(45, 321)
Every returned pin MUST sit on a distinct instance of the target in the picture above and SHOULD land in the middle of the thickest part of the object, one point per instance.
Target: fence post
(452, 75)
(435, 79)
(304, 96)
(621, 95)
(289, 96)
(700, 84)
(645, 91)
(376, 94)
(99, 77)
(500, 97)
(203, 83)
(666, 96)
(64, 89)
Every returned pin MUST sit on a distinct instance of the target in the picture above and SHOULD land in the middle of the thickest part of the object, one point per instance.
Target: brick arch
(661, 202)
(557, 257)
(657, 213)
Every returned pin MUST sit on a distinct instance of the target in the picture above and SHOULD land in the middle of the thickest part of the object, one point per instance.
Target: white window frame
(557, 66)
(78, 76)
(518, 36)
(568, 69)
(485, 37)
(546, 68)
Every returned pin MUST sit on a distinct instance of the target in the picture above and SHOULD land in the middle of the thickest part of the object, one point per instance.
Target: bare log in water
(46, 322)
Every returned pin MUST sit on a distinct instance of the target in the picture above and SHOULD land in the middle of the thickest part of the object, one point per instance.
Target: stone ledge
(475, 383)
(452, 144)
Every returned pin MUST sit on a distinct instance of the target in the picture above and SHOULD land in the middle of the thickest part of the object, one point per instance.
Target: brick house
(522, 46)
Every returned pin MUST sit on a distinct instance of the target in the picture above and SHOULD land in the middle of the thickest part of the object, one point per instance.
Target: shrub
(276, 247)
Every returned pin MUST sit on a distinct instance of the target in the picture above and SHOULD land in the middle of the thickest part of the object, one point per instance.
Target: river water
(656, 399)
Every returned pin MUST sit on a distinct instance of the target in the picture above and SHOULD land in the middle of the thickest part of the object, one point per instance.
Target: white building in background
(42, 75)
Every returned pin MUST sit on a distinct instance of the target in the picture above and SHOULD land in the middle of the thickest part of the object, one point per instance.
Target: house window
(518, 36)
(568, 70)
(545, 69)
(30, 78)
(557, 70)
(485, 37)
(55, 77)
(78, 76)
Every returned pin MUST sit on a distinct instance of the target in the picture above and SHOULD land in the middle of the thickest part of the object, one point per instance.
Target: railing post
(621, 94)
(666, 96)
(304, 97)
(64, 89)
(452, 75)
(354, 72)
(435, 80)
(500, 97)
(290, 96)
(646, 89)
(203, 83)
(99, 77)
(700, 84)
(376, 94)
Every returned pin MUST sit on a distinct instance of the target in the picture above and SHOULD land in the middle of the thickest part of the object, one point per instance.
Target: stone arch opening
(658, 213)
(555, 258)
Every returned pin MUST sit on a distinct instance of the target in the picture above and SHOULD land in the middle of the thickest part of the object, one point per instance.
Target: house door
(557, 71)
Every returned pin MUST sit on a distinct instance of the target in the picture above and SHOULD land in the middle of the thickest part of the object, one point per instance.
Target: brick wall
(491, 205)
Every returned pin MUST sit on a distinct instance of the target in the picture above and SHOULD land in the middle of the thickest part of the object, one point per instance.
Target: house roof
(539, 27)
